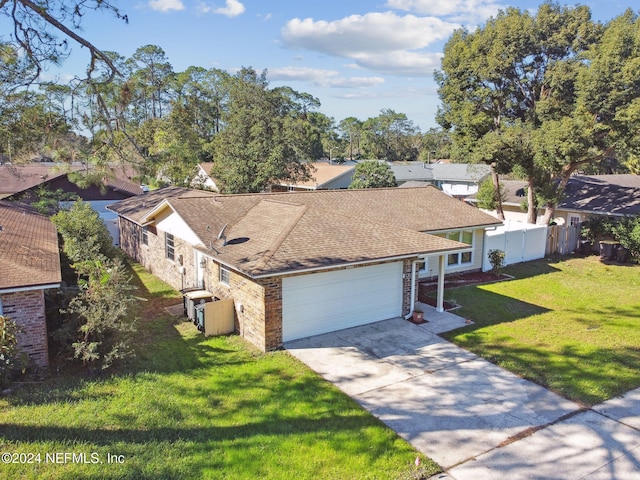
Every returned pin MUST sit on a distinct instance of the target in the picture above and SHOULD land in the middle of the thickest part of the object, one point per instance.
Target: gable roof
(590, 194)
(603, 194)
(18, 178)
(322, 174)
(274, 233)
(440, 172)
(29, 254)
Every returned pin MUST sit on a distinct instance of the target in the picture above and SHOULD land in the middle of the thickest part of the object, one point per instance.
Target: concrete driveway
(474, 419)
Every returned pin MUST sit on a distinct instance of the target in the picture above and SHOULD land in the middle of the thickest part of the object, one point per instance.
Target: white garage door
(328, 301)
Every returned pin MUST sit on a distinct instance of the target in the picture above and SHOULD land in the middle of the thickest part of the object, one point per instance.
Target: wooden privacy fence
(562, 239)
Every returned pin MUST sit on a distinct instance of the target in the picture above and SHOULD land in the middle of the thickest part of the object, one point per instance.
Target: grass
(194, 407)
(571, 325)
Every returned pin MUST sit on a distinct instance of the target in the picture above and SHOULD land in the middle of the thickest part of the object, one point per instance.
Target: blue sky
(356, 56)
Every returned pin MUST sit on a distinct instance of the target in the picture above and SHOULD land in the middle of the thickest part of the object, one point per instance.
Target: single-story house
(455, 179)
(324, 176)
(298, 264)
(585, 196)
(29, 264)
(23, 181)
(203, 178)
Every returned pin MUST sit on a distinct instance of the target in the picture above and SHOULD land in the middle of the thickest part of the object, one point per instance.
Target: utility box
(218, 318)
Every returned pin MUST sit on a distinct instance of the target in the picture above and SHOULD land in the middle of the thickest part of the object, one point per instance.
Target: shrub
(100, 321)
(496, 258)
(84, 234)
(625, 230)
(11, 360)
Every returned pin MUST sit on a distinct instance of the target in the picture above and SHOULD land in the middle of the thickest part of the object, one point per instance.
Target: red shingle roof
(28, 248)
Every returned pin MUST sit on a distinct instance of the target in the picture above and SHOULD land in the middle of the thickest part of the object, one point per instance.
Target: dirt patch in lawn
(427, 288)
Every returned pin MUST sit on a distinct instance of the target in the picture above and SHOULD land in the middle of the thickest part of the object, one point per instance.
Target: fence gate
(563, 239)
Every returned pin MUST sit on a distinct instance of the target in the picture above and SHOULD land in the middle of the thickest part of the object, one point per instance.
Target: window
(574, 220)
(145, 236)
(169, 246)
(457, 259)
(225, 276)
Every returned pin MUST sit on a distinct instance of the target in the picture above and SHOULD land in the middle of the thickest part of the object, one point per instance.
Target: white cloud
(232, 8)
(402, 62)
(456, 10)
(384, 42)
(322, 78)
(166, 5)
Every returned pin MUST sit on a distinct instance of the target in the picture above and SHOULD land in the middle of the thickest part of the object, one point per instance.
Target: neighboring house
(585, 196)
(203, 178)
(23, 181)
(298, 264)
(29, 264)
(324, 176)
(455, 179)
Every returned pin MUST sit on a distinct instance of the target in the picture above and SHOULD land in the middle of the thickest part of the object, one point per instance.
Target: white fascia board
(29, 288)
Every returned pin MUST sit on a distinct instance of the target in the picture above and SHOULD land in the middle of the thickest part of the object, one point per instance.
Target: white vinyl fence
(521, 242)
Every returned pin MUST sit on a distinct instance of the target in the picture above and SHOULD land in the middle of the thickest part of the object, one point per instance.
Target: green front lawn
(190, 407)
(572, 325)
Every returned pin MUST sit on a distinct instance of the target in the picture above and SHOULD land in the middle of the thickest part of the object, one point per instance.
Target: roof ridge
(271, 251)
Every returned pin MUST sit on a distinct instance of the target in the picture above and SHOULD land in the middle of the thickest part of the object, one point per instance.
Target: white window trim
(224, 272)
(167, 246)
(459, 235)
(144, 235)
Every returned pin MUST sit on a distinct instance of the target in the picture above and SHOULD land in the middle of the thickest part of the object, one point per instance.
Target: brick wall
(27, 310)
(406, 287)
(257, 302)
(153, 256)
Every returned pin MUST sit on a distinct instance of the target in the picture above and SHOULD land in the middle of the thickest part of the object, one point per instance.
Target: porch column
(440, 300)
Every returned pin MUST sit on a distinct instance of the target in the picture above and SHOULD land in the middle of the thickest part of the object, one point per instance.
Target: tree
(85, 236)
(351, 130)
(486, 195)
(389, 136)
(100, 321)
(36, 23)
(150, 81)
(501, 83)
(28, 125)
(435, 144)
(267, 137)
(373, 174)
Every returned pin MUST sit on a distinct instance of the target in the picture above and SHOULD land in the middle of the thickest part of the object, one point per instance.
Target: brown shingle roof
(28, 248)
(322, 173)
(18, 178)
(277, 232)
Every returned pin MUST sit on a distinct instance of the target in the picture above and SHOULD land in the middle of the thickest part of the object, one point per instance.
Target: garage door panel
(329, 301)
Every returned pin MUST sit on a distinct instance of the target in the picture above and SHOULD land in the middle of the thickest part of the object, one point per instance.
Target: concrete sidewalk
(473, 418)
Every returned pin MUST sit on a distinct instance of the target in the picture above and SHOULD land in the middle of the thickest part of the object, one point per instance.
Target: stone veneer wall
(26, 308)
